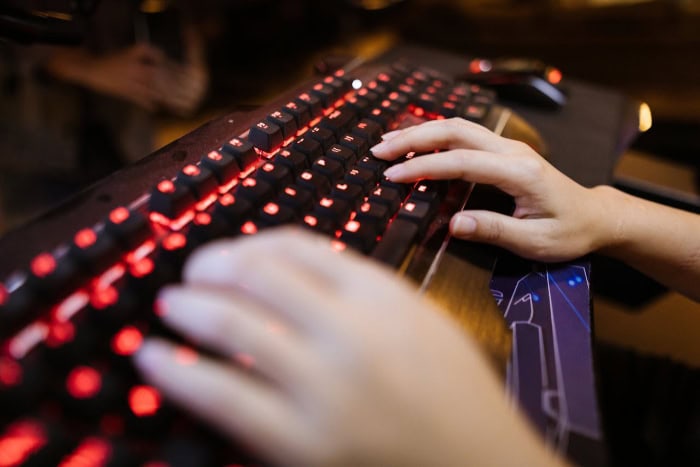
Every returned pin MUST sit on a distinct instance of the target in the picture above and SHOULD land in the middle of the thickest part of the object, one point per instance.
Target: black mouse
(519, 80)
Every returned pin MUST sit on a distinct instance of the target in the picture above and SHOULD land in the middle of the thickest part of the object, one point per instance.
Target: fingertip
(463, 225)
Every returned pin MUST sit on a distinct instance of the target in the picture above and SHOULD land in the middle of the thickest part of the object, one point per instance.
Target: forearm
(660, 241)
(69, 64)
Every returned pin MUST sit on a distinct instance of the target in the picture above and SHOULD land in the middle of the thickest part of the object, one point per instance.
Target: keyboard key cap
(316, 184)
(129, 228)
(312, 101)
(417, 212)
(364, 178)
(285, 121)
(222, 165)
(170, 199)
(242, 151)
(275, 214)
(369, 130)
(360, 235)
(257, 192)
(324, 136)
(276, 175)
(199, 180)
(265, 135)
(294, 160)
(345, 156)
(299, 200)
(355, 143)
(233, 210)
(310, 147)
(300, 112)
(329, 168)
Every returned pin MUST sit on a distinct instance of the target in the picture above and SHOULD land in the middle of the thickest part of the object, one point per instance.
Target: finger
(521, 236)
(440, 134)
(470, 165)
(231, 324)
(241, 406)
(266, 274)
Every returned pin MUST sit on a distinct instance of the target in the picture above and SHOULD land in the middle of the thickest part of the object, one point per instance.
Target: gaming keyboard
(77, 286)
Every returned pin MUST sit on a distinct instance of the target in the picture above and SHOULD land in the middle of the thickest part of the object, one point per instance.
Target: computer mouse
(519, 80)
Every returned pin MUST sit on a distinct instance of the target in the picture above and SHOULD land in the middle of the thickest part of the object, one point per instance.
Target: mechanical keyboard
(77, 285)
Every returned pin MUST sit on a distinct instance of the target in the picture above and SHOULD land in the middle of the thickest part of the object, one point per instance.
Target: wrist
(611, 227)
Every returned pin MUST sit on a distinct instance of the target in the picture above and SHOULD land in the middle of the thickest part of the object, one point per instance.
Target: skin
(140, 74)
(325, 358)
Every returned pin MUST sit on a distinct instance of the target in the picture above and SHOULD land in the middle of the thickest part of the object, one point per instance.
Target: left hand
(328, 359)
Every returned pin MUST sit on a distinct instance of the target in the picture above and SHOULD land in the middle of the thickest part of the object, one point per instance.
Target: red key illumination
(83, 382)
(119, 215)
(91, 452)
(3, 295)
(352, 226)
(202, 218)
(144, 400)
(271, 208)
(249, 228)
(103, 297)
(142, 267)
(215, 156)
(19, 442)
(191, 170)
(127, 341)
(85, 238)
(166, 186)
(311, 220)
(42, 265)
(59, 333)
(174, 241)
(10, 372)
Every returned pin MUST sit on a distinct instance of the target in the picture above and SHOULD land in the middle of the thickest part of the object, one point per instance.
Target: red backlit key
(323, 135)
(325, 93)
(310, 147)
(199, 180)
(285, 121)
(336, 210)
(360, 235)
(257, 192)
(316, 184)
(297, 199)
(294, 160)
(356, 143)
(312, 101)
(339, 121)
(170, 199)
(205, 227)
(346, 191)
(369, 130)
(275, 174)
(129, 228)
(342, 154)
(417, 212)
(374, 214)
(265, 135)
(396, 243)
(329, 168)
(233, 210)
(299, 111)
(28, 442)
(242, 151)
(274, 214)
(94, 252)
(364, 178)
(222, 165)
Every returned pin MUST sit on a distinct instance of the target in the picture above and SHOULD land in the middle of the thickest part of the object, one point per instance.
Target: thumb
(516, 235)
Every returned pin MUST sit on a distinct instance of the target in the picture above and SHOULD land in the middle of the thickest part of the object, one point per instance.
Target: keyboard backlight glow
(144, 401)
(174, 241)
(43, 265)
(10, 372)
(127, 341)
(119, 215)
(71, 305)
(104, 297)
(60, 332)
(142, 267)
(206, 202)
(83, 382)
(27, 338)
(3, 294)
(249, 228)
(91, 452)
(85, 238)
(19, 442)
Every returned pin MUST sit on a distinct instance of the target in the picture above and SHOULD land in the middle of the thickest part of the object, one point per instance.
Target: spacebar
(396, 243)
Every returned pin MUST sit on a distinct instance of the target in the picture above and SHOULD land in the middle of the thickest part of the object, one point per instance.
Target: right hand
(555, 218)
(128, 74)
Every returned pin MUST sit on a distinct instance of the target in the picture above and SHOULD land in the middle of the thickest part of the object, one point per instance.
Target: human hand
(555, 218)
(327, 359)
(128, 74)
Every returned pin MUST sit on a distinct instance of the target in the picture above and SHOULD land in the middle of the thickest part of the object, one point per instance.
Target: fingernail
(381, 147)
(463, 225)
(393, 172)
(390, 135)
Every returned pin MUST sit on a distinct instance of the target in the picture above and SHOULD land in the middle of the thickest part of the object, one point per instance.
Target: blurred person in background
(70, 115)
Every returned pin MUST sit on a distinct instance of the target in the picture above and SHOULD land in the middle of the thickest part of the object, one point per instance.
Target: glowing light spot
(290, 191)
(83, 382)
(91, 452)
(356, 84)
(227, 200)
(249, 228)
(554, 76)
(59, 333)
(249, 182)
(326, 202)
(127, 341)
(236, 142)
(365, 207)
(43, 264)
(535, 297)
(3, 294)
(578, 279)
(104, 297)
(186, 355)
(85, 238)
(10, 372)
(119, 215)
(645, 120)
(352, 226)
(571, 282)
(142, 267)
(311, 220)
(166, 186)
(19, 442)
(318, 87)
(144, 401)
(271, 209)
(202, 218)
(410, 207)
(174, 241)
(306, 175)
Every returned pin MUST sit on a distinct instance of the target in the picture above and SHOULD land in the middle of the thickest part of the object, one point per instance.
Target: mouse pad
(550, 372)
